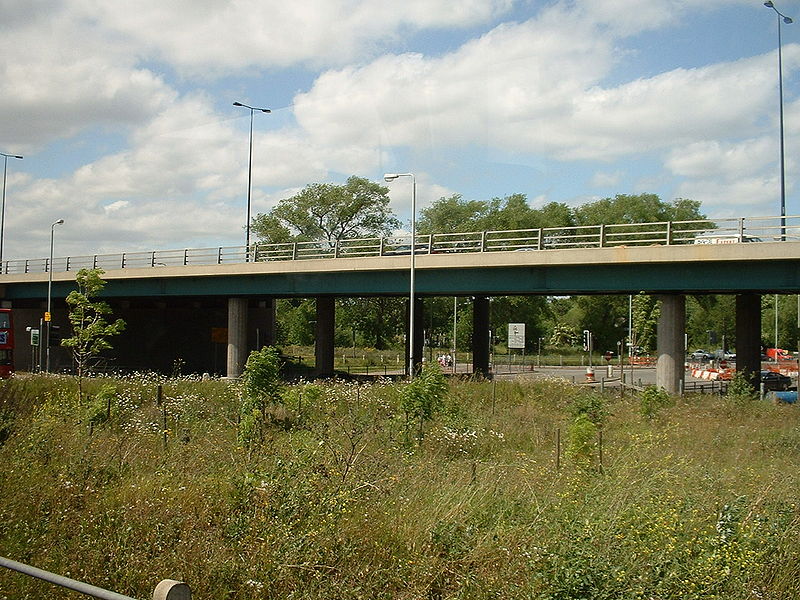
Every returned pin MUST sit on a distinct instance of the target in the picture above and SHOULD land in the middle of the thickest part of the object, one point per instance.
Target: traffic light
(55, 335)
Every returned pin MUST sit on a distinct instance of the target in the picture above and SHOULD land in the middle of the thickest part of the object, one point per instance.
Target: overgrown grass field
(342, 492)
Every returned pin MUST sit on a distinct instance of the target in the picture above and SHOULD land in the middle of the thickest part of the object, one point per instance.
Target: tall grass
(341, 500)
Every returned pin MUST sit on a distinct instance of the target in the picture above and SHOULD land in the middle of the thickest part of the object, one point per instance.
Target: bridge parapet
(545, 240)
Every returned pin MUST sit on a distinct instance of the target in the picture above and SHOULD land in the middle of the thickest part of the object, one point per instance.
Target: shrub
(652, 400)
(424, 395)
(740, 390)
(582, 440)
(261, 389)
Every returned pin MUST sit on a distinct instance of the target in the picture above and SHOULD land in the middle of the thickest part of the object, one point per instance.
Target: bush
(740, 390)
(652, 400)
(424, 395)
(261, 389)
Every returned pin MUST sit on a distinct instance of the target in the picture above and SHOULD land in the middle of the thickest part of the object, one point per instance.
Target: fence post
(669, 233)
(483, 241)
(602, 235)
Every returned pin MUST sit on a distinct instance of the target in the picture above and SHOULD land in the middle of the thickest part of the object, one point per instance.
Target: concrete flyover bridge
(178, 301)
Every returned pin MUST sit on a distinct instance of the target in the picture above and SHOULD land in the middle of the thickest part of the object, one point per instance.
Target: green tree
(424, 396)
(325, 212)
(640, 208)
(454, 214)
(87, 316)
(646, 311)
(377, 320)
(261, 388)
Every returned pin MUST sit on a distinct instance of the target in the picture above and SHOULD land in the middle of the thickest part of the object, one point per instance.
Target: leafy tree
(711, 315)
(454, 214)
(424, 396)
(563, 335)
(87, 316)
(326, 212)
(378, 320)
(261, 388)
(646, 312)
(640, 208)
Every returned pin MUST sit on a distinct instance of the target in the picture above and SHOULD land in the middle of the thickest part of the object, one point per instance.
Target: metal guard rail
(741, 229)
(165, 590)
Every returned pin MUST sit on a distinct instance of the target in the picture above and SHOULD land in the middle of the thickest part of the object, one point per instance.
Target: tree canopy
(454, 214)
(328, 213)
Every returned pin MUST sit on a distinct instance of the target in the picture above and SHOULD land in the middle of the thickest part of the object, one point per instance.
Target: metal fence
(664, 233)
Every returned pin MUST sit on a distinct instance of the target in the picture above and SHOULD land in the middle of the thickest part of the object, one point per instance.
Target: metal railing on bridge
(664, 233)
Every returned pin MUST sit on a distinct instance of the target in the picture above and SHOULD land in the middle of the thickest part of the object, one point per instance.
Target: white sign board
(516, 336)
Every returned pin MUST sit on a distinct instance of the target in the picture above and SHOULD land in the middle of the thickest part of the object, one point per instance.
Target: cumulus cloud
(264, 34)
(548, 88)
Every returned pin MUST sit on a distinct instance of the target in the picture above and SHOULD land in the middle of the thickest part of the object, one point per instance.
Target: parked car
(701, 355)
(774, 381)
(722, 355)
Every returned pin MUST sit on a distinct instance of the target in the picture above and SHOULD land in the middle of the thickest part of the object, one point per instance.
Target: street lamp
(388, 177)
(252, 109)
(3, 206)
(787, 20)
(48, 316)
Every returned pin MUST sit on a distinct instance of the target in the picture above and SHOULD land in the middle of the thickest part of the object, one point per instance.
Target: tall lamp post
(787, 20)
(252, 109)
(48, 316)
(388, 177)
(3, 206)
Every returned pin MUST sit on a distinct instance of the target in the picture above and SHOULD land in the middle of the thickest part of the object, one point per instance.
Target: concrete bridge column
(324, 335)
(748, 336)
(237, 336)
(480, 335)
(671, 352)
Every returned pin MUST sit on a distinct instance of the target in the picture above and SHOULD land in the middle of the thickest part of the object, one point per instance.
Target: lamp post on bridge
(3, 206)
(787, 20)
(252, 109)
(389, 177)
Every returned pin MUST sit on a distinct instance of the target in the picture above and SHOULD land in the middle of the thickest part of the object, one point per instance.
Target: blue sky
(125, 119)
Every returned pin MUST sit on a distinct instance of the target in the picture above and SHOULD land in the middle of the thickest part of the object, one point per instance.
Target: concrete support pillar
(670, 367)
(480, 335)
(748, 336)
(237, 336)
(324, 336)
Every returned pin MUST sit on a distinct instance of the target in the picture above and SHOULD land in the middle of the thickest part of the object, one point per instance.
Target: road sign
(516, 336)
(34, 337)
(46, 316)
(587, 340)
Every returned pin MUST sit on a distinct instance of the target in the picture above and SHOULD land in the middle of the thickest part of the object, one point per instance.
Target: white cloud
(201, 36)
(60, 75)
(606, 178)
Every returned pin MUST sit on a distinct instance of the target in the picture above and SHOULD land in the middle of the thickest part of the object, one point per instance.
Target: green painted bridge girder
(775, 276)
